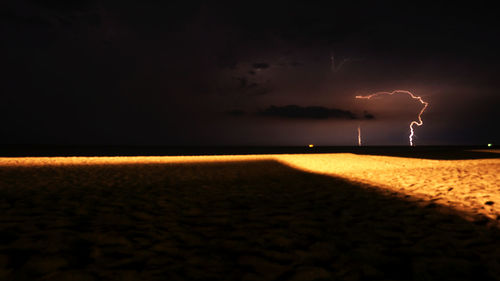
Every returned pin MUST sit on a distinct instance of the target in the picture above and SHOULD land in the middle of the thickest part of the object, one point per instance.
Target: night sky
(246, 72)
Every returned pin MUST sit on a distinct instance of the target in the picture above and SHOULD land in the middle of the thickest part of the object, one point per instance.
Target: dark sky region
(155, 72)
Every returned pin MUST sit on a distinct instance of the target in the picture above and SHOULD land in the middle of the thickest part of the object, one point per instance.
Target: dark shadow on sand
(227, 221)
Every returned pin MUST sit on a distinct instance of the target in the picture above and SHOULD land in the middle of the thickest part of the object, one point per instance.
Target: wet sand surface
(243, 218)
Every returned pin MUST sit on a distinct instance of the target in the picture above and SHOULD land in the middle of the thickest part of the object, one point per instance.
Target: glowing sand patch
(462, 184)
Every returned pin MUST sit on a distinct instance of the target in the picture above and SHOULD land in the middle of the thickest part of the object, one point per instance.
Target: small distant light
(490, 144)
(311, 145)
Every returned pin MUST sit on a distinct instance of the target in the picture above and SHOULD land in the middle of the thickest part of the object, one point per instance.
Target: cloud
(226, 61)
(243, 82)
(235, 112)
(260, 65)
(248, 87)
(367, 115)
(310, 112)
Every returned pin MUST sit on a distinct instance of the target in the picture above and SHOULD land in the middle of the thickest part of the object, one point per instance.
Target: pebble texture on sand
(242, 220)
(471, 186)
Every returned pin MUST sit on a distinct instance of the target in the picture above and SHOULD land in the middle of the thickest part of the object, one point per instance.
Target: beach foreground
(254, 217)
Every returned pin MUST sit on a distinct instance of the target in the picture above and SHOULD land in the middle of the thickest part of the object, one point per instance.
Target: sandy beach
(470, 186)
(256, 217)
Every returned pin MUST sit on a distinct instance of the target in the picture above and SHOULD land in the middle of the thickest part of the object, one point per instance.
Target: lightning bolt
(417, 122)
(359, 135)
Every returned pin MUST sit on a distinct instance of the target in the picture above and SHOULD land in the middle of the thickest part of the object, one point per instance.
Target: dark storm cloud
(367, 115)
(235, 112)
(100, 62)
(260, 65)
(308, 112)
(63, 5)
(241, 86)
(55, 12)
(226, 61)
(244, 83)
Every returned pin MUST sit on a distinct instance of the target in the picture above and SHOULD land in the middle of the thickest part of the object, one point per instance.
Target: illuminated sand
(239, 218)
(466, 185)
